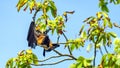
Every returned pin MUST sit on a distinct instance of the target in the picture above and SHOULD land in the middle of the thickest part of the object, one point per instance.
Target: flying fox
(37, 38)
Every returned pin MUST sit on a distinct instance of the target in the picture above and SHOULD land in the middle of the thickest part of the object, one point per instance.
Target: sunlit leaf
(110, 24)
(84, 35)
(72, 47)
(31, 5)
(29, 51)
(104, 39)
(72, 66)
(53, 12)
(39, 5)
(113, 34)
(99, 15)
(53, 9)
(20, 4)
(81, 29)
(80, 59)
(9, 63)
(35, 59)
(79, 65)
(105, 14)
(104, 22)
(88, 19)
(89, 47)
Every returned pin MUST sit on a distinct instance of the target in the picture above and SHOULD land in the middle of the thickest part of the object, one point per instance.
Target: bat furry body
(35, 38)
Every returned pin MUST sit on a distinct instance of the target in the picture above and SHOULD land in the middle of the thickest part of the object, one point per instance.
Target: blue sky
(14, 28)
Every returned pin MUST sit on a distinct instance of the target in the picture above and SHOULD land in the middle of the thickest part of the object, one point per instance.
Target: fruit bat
(35, 37)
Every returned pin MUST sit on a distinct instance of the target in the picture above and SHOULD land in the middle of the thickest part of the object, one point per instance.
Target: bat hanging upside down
(35, 38)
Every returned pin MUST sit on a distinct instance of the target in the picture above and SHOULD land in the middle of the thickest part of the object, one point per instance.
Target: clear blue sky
(14, 28)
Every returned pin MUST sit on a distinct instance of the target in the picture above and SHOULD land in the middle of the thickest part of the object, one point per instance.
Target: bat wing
(31, 37)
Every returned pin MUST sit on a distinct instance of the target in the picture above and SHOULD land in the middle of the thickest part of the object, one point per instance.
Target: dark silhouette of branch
(101, 51)
(34, 16)
(48, 58)
(53, 63)
(57, 52)
(68, 46)
(58, 38)
(105, 49)
(71, 56)
(95, 50)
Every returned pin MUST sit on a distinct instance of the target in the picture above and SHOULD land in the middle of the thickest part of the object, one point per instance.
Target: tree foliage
(97, 33)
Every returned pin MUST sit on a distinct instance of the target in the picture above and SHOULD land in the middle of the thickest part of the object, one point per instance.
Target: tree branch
(105, 49)
(95, 50)
(48, 58)
(68, 46)
(101, 51)
(52, 63)
(34, 16)
(57, 52)
(65, 55)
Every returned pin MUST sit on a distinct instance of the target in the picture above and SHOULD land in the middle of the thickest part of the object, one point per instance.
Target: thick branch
(52, 63)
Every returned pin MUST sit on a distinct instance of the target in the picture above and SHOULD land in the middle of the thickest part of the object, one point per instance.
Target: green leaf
(100, 38)
(89, 47)
(81, 29)
(84, 35)
(88, 19)
(113, 34)
(53, 9)
(20, 4)
(72, 66)
(110, 24)
(72, 47)
(29, 51)
(48, 8)
(53, 12)
(79, 65)
(23, 65)
(80, 59)
(35, 59)
(9, 63)
(104, 22)
(104, 39)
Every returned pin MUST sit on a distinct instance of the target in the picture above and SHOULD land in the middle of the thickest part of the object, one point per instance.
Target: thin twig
(68, 46)
(65, 55)
(58, 39)
(57, 52)
(48, 58)
(105, 49)
(34, 16)
(101, 51)
(94, 56)
(95, 50)
(52, 63)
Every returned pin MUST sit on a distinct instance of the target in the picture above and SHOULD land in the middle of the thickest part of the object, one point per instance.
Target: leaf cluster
(24, 59)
